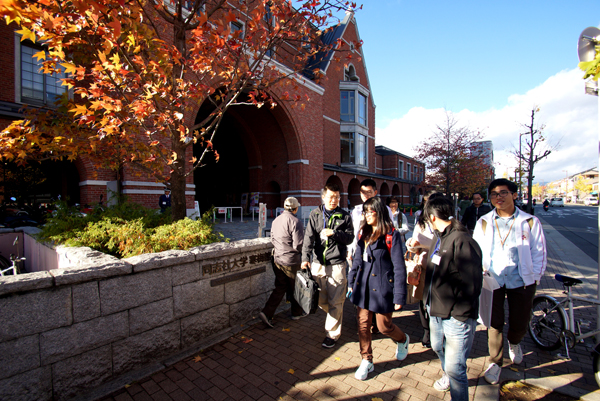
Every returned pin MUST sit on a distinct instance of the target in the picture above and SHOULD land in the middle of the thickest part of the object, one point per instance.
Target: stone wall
(102, 320)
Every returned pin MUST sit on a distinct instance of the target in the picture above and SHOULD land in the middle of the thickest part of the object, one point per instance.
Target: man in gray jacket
(287, 235)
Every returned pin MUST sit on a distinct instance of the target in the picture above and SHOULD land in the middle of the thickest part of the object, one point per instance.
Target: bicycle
(551, 327)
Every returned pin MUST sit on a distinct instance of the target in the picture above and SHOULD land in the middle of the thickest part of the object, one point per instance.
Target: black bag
(306, 291)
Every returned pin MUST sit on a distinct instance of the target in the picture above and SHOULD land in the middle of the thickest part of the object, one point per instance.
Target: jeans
(451, 340)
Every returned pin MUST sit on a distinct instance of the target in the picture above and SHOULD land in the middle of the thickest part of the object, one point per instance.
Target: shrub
(127, 229)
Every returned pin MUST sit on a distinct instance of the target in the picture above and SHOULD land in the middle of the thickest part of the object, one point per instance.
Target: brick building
(277, 152)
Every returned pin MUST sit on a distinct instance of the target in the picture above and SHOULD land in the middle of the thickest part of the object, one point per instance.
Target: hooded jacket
(331, 251)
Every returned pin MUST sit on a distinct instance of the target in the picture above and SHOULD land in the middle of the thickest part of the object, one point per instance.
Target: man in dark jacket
(287, 235)
(165, 200)
(474, 212)
(453, 282)
(328, 233)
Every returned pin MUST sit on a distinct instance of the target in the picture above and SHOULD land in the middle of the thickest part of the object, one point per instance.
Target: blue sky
(487, 62)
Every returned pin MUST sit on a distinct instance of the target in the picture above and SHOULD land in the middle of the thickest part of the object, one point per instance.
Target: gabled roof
(322, 59)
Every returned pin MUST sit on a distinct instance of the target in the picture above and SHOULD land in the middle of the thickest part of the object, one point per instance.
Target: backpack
(388, 239)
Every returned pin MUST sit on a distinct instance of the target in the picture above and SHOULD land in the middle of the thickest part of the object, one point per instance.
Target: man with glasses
(514, 251)
(327, 235)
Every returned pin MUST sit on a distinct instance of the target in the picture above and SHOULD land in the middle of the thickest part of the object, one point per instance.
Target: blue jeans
(451, 340)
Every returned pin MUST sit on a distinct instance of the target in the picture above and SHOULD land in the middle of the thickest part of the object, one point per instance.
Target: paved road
(577, 223)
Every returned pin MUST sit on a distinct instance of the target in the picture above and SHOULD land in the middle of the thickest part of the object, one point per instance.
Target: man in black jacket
(327, 235)
(474, 212)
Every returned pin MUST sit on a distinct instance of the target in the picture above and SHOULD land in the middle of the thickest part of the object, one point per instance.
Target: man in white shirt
(513, 248)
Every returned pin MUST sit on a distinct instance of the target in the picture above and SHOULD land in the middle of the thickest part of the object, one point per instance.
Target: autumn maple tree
(137, 69)
(454, 164)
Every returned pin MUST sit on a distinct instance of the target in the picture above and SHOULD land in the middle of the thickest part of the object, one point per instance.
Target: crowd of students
(363, 256)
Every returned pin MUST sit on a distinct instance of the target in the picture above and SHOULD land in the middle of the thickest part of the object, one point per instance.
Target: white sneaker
(492, 374)
(443, 384)
(364, 369)
(515, 353)
(402, 350)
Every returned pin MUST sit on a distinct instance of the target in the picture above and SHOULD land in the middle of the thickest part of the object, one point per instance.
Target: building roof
(385, 151)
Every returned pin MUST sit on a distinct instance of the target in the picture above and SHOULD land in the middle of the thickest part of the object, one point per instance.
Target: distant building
(485, 149)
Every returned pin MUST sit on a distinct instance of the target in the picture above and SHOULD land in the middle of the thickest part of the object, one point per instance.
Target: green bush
(127, 229)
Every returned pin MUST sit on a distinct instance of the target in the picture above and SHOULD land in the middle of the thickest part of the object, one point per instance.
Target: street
(577, 223)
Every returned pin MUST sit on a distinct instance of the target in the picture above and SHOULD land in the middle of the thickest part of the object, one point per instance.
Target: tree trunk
(178, 184)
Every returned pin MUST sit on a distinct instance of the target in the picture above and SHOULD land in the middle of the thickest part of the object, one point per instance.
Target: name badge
(435, 259)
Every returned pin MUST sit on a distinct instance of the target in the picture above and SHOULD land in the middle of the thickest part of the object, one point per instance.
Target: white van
(557, 202)
(591, 200)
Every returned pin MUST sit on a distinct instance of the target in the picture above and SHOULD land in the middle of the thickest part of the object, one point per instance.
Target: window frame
(19, 73)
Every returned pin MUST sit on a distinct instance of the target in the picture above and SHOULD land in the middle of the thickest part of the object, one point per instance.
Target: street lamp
(586, 49)
(566, 182)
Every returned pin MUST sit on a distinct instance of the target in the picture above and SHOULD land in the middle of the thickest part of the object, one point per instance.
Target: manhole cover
(518, 391)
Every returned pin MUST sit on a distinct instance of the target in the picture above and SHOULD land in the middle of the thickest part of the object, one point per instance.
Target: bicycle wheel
(4, 263)
(547, 323)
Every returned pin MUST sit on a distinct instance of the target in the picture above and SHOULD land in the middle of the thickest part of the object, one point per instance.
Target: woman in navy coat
(377, 282)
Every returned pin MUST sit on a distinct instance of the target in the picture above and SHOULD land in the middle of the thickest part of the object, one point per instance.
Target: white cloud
(570, 117)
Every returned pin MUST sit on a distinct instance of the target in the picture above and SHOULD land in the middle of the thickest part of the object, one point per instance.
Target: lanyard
(502, 241)
(436, 249)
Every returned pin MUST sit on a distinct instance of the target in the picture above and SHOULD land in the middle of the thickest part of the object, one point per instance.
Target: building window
(353, 148)
(237, 27)
(416, 173)
(362, 109)
(361, 150)
(400, 169)
(408, 171)
(350, 74)
(36, 87)
(347, 106)
(349, 102)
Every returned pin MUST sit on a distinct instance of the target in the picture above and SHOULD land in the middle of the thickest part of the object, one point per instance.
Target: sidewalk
(288, 362)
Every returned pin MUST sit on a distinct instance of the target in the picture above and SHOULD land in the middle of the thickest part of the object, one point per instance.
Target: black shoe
(426, 345)
(265, 320)
(328, 342)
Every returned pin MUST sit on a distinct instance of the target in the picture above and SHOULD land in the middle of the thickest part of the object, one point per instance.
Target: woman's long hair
(384, 223)
(442, 209)
(428, 196)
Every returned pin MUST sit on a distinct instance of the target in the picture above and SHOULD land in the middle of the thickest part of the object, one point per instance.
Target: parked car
(591, 201)
(557, 202)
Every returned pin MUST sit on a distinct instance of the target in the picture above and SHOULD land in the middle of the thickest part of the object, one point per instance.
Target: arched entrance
(254, 146)
(354, 192)
(41, 182)
(384, 190)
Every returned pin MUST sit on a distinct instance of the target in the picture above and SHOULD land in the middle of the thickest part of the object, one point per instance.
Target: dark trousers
(424, 322)
(520, 301)
(283, 285)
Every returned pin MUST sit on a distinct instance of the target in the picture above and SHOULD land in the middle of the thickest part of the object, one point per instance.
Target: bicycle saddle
(566, 280)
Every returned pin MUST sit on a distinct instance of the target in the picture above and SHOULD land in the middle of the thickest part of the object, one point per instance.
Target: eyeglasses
(333, 197)
(369, 192)
(370, 212)
(501, 194)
